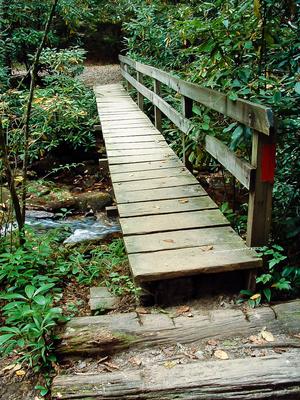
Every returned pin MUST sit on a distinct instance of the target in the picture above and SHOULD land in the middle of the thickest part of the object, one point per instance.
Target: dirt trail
(101, 74)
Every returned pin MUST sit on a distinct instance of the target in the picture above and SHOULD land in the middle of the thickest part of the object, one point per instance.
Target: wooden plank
(139, 145)
(190, 261)
(130, 132)
(142, 158)
(135, 139)
(252, 115)
(97, 335)
(183, 123)
(207, 237)
(147, 184)
(140, 175)
(161, 194)
(148, 166)
(172, 222)
(272, 377)
(241, 169)
(260, 196)
(128, 152)
(167, 206)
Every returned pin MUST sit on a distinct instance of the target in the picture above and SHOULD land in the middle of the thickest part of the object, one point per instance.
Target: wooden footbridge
(171, 227)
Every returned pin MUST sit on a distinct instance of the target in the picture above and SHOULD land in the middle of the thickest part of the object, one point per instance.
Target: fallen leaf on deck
(168, 240)
(183, 201)
(142, 310)
(206, 248)
(170, 364)
(267, 336)
(183, 309)
(212, 342)
(222, 355)
(256, 339)
(20, 372)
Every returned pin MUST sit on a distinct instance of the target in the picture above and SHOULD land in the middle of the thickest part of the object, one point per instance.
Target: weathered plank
(169, 264)
(207, 237)
(132, 152)
(139, 145)
(147, 166)
(134, 139)
(116, 332)
(272, 377)
(172, 222)
(147, 184)
(241, 169)
(140, 175)
(252, 115)
(131, 132)
(178, 192)
(141, 158)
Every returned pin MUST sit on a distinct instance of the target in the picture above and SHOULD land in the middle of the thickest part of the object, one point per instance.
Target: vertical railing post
(140, 97)
(157, 112)
(187, 111)
(129, 87)
(260, 195)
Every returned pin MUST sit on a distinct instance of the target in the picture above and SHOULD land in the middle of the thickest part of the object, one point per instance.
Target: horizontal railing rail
(257, 176)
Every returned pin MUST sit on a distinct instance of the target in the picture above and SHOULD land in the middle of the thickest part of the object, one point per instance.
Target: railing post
(129, 87)
(260, 195)
(140, 97)
(187, 111)
(157, 112)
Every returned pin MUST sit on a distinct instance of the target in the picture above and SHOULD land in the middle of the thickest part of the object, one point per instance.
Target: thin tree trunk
(33, 72)
(11, 183)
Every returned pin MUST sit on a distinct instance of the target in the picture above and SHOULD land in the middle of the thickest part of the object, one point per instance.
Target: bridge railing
(257, 176)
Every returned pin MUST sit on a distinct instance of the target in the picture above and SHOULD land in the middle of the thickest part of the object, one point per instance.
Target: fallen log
(274, 377)
(111, 333)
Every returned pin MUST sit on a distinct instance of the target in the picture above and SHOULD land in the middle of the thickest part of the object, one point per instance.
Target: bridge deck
(171, 226)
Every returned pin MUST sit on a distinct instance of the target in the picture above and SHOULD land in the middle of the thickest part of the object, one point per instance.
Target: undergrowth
(32, 279)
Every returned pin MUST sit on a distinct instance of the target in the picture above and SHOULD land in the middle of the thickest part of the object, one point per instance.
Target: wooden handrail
(250, 114)
(256, 176)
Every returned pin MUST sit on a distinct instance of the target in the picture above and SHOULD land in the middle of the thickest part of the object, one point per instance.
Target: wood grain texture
(166, 206)
(206, 238)
(169, 264)
(140, 175)
(272, 377)
(172, 222)
(240, 169)
(177, 192)
(116, 332)
(146, 166)
(155, 183)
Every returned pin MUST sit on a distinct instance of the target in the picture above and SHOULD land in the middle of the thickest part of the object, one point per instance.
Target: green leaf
(29, 290)
(267, 293)
(5, 338)
(297, 88)
(40, 299)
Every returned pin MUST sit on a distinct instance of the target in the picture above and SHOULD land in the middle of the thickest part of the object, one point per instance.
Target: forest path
(95, 74)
